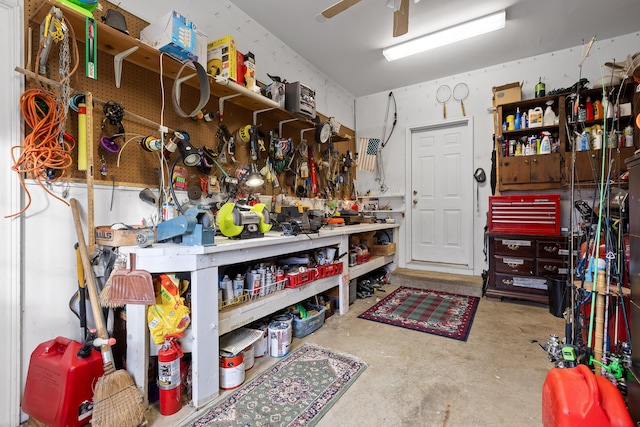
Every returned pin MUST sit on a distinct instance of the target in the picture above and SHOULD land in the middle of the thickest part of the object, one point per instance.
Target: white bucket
(249, 357)
(261, 347)
(231, 371)
(279, 339)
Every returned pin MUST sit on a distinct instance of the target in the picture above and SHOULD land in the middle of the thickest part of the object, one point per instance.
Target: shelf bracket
(221, 104)
(179, 84)
(255, 114)
(305, 130)
(117, 63)
(283, 122)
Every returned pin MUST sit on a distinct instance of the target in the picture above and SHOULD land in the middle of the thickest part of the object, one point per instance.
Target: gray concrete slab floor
(417, 379)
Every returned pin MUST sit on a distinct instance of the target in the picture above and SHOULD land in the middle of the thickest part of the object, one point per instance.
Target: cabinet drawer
(528, 285)
(551, 249)
(513, 265)
(549, 267)
(515, 247)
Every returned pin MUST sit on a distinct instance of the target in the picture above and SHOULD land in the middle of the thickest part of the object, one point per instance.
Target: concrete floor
(417, 379)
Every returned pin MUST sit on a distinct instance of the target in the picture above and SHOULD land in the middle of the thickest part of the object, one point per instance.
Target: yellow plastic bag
(165, 319)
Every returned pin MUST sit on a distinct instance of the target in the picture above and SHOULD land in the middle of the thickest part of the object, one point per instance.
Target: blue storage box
(303, 327)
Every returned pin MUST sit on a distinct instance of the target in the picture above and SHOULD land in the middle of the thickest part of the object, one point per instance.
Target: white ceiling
(348, 47)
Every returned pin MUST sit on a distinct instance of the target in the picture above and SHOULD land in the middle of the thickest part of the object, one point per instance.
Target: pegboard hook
(117, 63)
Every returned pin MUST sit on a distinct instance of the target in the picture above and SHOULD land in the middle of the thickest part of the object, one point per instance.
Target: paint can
(261, 347)
(231, 371)
(283, 317)
(279, 339)
(249, 357)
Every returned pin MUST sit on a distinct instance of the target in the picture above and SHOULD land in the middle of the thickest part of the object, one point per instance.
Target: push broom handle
(91, 284)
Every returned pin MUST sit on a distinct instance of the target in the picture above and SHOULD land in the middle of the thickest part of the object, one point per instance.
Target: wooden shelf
(113, 42)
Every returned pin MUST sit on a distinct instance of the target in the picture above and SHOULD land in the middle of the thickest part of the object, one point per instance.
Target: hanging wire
(380, 176)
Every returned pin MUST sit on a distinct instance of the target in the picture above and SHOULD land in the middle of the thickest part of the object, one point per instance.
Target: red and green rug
(434, 312)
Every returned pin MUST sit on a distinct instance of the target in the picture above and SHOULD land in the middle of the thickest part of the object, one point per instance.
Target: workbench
(207, 322)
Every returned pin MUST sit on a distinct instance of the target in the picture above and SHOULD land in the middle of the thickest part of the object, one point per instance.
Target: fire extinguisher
(169, 375)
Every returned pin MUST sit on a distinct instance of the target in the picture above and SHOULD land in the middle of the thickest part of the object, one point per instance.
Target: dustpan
(129, 287)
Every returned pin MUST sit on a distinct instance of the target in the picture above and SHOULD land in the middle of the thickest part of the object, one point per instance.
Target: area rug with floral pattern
(297, 391)
(435, 312)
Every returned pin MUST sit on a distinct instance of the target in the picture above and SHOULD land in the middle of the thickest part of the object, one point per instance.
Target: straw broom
(116, 399)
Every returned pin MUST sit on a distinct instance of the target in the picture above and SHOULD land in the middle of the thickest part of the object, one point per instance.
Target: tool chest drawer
(515, 247)
(519, 265)
(522, 266)
(552, 249)
(551, 267)
(520, 283)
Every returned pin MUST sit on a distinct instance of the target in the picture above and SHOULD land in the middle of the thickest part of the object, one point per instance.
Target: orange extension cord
(43, 148)
(46, 147)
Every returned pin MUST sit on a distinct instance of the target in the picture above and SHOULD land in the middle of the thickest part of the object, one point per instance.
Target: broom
(116, 399)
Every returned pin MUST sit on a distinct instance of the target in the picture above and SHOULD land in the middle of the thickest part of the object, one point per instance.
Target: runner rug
(439, 313)
(296, 391)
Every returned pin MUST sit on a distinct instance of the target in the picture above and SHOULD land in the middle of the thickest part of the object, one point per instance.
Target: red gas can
(576, 397)
(59, 387)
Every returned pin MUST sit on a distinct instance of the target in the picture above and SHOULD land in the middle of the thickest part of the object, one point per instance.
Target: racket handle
(444, 111)
(463, 112)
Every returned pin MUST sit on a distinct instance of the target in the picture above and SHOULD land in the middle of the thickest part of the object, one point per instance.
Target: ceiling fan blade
(341, 6)
(401, 19)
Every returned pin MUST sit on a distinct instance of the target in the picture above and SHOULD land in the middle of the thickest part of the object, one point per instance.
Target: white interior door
(442, 194)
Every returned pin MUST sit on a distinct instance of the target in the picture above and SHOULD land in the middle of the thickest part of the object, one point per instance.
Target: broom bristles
(106, 299)
(116, 400)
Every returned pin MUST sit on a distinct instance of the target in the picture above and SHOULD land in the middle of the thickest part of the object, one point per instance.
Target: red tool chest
(537, 214)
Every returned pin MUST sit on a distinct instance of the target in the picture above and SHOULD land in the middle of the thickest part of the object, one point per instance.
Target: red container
(577, 397)
(59, 387)
(537, 214)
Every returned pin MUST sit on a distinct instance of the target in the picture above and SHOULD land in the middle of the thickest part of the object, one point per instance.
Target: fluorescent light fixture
(447, 36)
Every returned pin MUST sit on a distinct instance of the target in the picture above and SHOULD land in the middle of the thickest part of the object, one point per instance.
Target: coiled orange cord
(44, 148)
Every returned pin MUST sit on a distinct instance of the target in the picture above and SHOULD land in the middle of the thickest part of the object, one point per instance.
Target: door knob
(415, 193)
(415, 201)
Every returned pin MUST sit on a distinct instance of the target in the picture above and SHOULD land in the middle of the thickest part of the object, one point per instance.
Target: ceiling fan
(400, 13)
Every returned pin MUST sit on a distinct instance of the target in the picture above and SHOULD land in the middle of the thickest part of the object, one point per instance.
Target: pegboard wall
(141, 93)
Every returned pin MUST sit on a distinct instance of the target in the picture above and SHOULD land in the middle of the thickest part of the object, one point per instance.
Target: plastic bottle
(523, 121)
(549, 118)
(589, 108)
(545, 144)
(597, 110)
(518, 118)
(607, 108)
(582, 112)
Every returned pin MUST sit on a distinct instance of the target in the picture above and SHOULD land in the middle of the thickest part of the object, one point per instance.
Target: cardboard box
(173, 34)
(507, 94)
(383, 250)
(222, 58)
(106, 236)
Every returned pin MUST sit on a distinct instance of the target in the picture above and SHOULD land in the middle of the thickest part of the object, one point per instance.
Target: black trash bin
(558, 295)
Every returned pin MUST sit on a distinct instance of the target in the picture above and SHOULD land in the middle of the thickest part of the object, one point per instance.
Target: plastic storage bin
(303, 327)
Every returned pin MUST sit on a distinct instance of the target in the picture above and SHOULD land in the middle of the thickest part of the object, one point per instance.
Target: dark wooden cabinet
(519, 265)
(551, 171)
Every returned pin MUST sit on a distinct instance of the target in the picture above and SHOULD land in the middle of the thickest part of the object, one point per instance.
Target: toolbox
(537, 214)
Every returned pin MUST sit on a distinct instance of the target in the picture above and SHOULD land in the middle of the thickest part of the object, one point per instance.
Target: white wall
(417, 105)
(219, 18)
